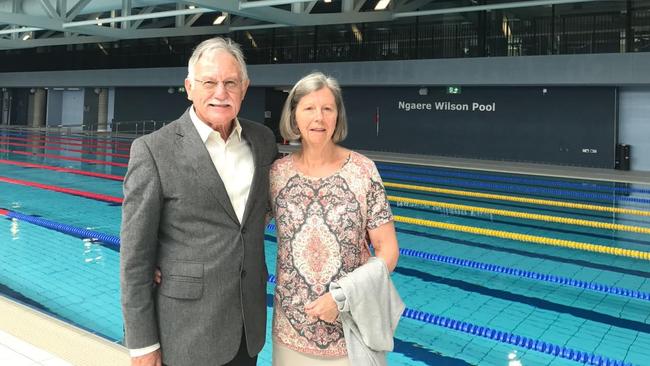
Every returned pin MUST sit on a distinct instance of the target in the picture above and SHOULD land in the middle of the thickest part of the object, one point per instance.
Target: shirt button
(243, 230)
(243, 274)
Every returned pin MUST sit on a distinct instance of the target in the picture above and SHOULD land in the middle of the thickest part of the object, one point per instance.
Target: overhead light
(382, 4)
(357, 33)
(220, 19)
(102, 48)
(98, 23)
(250, 37)
(192, 7)
(26, 37)
(327, 1)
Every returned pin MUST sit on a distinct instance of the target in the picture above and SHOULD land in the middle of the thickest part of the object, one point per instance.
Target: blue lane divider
(514, 339)
(465, 327)
(515, 272)
(513, 188)
(115, 242)
(507, 337)
(566, 281)
(67, 229)
(450, 173)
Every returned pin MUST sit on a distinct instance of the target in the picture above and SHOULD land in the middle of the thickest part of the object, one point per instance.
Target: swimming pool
(554, 269)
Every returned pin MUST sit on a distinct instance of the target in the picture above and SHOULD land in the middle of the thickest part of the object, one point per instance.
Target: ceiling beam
(160, 14)
(49, 9)
(76, 9)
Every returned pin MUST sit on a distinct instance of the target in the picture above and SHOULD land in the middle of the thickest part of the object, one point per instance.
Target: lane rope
(417, 315)
(63, 170)
(60, 157)
(596, 248)
(515, 188)
(74, 192)
(519, 180)
(535, 201)
(523, 215)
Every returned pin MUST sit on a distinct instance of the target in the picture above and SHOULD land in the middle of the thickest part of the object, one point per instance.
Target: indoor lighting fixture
(357, 33)
(327, 1)
(192, 7)
(220, 19)
(382, 4)
(26, 37)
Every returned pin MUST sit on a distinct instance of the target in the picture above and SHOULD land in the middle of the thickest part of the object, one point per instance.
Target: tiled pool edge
(72, 344)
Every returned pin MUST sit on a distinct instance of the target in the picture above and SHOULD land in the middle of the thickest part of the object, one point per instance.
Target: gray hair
(309, 84)
(213, 45)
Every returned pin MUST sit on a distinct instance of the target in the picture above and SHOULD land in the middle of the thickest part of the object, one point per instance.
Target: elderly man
(195, 200)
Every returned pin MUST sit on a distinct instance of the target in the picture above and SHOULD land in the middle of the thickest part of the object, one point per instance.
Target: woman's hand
(157, 277)
(323, 308)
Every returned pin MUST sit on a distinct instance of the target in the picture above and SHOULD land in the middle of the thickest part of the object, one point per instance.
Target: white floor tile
(55, 362)
(16, 352)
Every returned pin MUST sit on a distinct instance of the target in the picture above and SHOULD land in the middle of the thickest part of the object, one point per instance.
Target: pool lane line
(63, 170)
(516, 272)
(58, 143)
(506, 337)
(536, 201)
(523, 215)
(114, 241)
(58, 138)
(596, 248)
(513, 272)
(421, 316)
(518, 180)
(78, 232)
(61, 157)
(74, 192)
(603, 249)
(521, 273)
(515, 188)
(51, 148)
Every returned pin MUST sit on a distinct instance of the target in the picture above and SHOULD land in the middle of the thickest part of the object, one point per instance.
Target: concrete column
(102, 110)
(5, 106)
(38, 108)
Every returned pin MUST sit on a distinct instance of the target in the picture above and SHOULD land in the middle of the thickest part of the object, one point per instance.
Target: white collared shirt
(233, 160)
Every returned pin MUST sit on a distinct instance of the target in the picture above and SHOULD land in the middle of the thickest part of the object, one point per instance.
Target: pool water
(555, 270)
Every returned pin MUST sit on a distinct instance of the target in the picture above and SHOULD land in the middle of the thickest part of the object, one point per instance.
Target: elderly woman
(329, 204)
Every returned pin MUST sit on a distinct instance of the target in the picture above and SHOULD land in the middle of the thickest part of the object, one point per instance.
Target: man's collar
(205, 130)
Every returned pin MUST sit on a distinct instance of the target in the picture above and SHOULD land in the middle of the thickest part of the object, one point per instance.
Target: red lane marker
(51, 138)
(116, 143)
(63, 149)
(75, 192)
(59, 157)
(63, 170)
(4, 212)
(39, 140)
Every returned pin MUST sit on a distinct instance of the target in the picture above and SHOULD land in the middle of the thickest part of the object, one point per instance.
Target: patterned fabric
(322, 235)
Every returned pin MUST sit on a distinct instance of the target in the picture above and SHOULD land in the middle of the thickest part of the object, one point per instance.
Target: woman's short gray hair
(309, 84)
(217, 44)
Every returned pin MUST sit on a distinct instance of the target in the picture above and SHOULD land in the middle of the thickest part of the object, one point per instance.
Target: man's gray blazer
(177, 216)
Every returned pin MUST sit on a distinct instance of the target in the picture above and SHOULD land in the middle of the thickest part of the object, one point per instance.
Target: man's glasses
(230, 85)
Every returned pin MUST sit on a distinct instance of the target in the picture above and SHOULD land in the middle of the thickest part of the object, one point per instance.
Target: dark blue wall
(557, 125)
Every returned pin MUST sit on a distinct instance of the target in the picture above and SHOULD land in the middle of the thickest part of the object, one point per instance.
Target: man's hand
(323, 308)
(150, 359)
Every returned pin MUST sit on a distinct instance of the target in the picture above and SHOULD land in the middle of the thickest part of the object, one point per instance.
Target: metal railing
(140, 127)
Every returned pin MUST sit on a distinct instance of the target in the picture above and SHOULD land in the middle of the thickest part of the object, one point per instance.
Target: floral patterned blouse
(322, 235)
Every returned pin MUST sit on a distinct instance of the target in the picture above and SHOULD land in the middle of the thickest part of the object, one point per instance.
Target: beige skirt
(283, 356)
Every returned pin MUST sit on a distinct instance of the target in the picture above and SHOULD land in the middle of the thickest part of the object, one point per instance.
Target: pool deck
(31, 338)
(547, 170)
